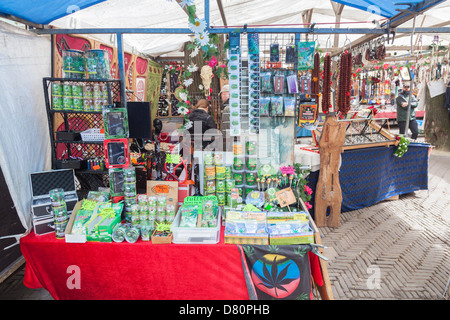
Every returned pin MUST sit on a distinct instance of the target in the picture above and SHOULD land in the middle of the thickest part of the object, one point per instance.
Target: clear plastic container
(196, 235)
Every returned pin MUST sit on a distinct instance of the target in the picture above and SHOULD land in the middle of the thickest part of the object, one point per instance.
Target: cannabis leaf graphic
(274, 279)
(249, 250)
(303, 296)
(273, 248)
(300, 251)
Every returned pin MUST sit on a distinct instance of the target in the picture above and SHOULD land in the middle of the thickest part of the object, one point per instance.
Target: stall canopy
(79, 14)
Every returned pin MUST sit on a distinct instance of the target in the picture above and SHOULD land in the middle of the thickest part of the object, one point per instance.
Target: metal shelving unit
(77, 153)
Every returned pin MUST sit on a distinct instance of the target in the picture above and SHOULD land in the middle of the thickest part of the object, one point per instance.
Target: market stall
(133, 194)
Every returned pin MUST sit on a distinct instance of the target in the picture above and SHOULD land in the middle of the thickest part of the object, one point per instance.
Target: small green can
(238, 163)
(221, 198)
(229, 184)
(57, 89)
(251, 164)
(57, 103)
(67, 90)
(228, 172)
(68, 103)
(220, 185)
(250, 179)
(78, 104)
(77, 91)
(238, 177)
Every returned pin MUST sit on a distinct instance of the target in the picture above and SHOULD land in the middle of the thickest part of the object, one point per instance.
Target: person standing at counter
(402, 112)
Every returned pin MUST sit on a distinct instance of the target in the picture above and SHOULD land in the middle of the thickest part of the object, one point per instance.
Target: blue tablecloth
(370, 175)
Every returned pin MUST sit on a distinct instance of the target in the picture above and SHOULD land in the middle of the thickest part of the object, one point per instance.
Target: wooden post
(328, 190)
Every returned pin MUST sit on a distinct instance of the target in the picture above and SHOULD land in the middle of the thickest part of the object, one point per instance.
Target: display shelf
(78, 121)
(78, 142)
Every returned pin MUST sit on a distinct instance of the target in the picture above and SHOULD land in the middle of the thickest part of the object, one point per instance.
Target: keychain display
(274, 52)
(234, 82)
(292, 84)
(254, 84)
(276, 103)
(115, 122)
(278, 84)
(305, 85)
(289, 106)
(264, 106)
(266, 82)
(305, 51)
(291, 53)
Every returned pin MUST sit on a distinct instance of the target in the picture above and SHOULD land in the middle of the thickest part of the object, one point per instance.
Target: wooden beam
(222, 12)
(306, 18)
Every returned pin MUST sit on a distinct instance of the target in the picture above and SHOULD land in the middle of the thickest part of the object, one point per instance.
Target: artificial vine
(202, 42)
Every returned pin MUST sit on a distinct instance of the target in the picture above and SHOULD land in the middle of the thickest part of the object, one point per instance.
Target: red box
(184, 190)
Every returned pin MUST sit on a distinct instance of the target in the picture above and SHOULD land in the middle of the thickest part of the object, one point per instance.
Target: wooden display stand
(328, 190)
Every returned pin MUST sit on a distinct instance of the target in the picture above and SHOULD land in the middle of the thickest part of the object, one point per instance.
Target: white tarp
(168, 14)
(25, 142)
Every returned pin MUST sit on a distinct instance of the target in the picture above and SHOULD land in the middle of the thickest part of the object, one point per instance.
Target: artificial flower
(183, 96)
(194, 52)
(200, 87)
(188, 125)
(198, 26)
(308, 205)
(202, 38)
(213, 62)
(188, 82)
(192, 68)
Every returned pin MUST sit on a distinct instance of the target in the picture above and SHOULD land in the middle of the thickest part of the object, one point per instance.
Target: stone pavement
(393, 250)
(396, 249)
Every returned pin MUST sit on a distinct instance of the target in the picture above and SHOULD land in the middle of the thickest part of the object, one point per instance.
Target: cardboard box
(169, 189)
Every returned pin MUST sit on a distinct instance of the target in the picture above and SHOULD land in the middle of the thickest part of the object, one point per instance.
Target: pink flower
(209, 97)
(308, 190)
(213, 62)
(188, 102)
(308, 206)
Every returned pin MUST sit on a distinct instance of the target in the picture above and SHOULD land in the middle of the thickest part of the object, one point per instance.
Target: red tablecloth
(140, 270)
(393, 114)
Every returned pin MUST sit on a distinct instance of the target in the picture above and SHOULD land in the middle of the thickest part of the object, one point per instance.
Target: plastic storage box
(196, 235)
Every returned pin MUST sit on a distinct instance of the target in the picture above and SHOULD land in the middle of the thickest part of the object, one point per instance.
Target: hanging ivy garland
(202, 42)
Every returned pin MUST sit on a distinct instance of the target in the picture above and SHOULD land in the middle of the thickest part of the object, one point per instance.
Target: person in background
(392, 99)
(402, 110)
(200, 116)
(225, 97)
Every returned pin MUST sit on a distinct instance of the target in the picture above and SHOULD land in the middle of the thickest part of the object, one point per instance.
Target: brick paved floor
(395, 249)
(392, 250)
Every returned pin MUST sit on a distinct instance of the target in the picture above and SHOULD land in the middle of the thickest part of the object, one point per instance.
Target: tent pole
(411, 84)
(120, 53)
(207, 13)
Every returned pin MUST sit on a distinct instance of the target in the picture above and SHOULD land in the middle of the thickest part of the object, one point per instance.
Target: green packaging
(238, 163)
(67, 103)
(229, 184)
(78, 104)
(251, 163)
(57, 90)
(77, 91)
(221, 198)
(220, 185)
(238, 177)
(57, 103)
(220, 173)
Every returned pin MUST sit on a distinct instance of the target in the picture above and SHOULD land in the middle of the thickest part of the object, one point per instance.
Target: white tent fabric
(25, 146)
(168, 14)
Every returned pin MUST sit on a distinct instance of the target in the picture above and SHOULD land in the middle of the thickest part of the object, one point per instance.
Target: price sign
(285, 197)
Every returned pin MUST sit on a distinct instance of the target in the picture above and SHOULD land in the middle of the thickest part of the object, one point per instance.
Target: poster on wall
(140, 89)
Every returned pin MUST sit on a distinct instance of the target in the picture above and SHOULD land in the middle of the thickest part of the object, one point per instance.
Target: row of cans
(87, 90)
(79, 104)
